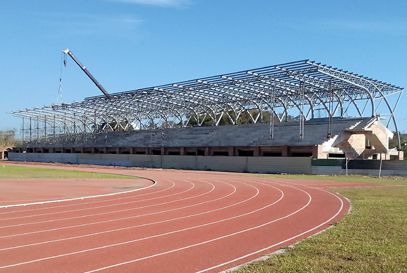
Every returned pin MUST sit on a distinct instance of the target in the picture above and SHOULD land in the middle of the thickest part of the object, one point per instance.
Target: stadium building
(300, 109)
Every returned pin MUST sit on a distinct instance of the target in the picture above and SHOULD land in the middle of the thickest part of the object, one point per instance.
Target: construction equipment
(84, 69)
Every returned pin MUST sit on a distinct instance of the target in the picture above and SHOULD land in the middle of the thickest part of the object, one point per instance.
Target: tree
(7, 139)
(393, 143)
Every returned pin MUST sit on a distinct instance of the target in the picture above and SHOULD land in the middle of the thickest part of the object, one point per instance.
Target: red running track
(187, 222)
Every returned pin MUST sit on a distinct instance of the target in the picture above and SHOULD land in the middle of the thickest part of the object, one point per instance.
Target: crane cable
(61, 72)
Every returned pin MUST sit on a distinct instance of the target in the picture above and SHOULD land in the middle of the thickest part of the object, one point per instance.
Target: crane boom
(84, 69)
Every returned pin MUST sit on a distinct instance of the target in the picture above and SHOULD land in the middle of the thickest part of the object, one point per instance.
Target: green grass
(371, 239)
(18, 172)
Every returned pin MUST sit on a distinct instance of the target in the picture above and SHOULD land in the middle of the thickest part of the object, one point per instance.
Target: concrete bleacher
(243, 148)
(248, 135)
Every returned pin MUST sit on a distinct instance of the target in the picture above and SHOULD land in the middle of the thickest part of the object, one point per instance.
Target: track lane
(177, 231)
(134, 220)
(106, 230)
(110, 221)
(101, 200)
(233, 242)
(211, 225)
(169, 225)
(100, 215)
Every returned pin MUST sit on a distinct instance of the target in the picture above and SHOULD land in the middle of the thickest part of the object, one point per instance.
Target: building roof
(300, 88)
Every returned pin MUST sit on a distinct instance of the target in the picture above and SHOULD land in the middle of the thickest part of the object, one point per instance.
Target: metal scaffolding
(299, 90)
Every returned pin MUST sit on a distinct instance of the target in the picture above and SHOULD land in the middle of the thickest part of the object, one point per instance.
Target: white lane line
(84, 209)
(86, 203)
(276, 244)
(203, 242)
(79, 204)
(78, 198)
(30, 200)
(143, 225)
(102, 213)
(112, 220)
(3, 202)
(146, 238)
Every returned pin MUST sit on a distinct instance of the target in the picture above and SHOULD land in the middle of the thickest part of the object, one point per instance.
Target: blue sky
(128, 44)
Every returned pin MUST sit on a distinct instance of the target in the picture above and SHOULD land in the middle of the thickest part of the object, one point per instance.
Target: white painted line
(87, 208)
(165, 234)
(102, 213)
(142, 225)
(112, 220)
(200, 243)
(276, 244)
(78, 198)
(86, 203)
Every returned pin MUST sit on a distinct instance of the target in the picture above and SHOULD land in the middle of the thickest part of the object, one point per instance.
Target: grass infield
(371, 239)
(21, 172)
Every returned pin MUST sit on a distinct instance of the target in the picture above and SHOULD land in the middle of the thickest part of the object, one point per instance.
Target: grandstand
(297, 109)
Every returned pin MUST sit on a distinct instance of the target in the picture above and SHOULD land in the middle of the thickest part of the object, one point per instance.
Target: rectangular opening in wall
(173, 153)
(200, 152)
(334, 155)
(394, 157)
(367, 144)
(220, 153)
(245, 153)
(156, 152)
(272, 154)
(124, 151)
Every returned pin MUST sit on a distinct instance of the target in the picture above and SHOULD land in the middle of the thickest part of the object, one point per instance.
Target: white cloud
(159, 3)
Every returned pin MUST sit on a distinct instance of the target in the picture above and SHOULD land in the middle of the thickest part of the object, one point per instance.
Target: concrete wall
(299, 165)
(215, 163)
(328, 170)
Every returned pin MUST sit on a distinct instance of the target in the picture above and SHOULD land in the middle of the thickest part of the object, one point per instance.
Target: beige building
(366, 139)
